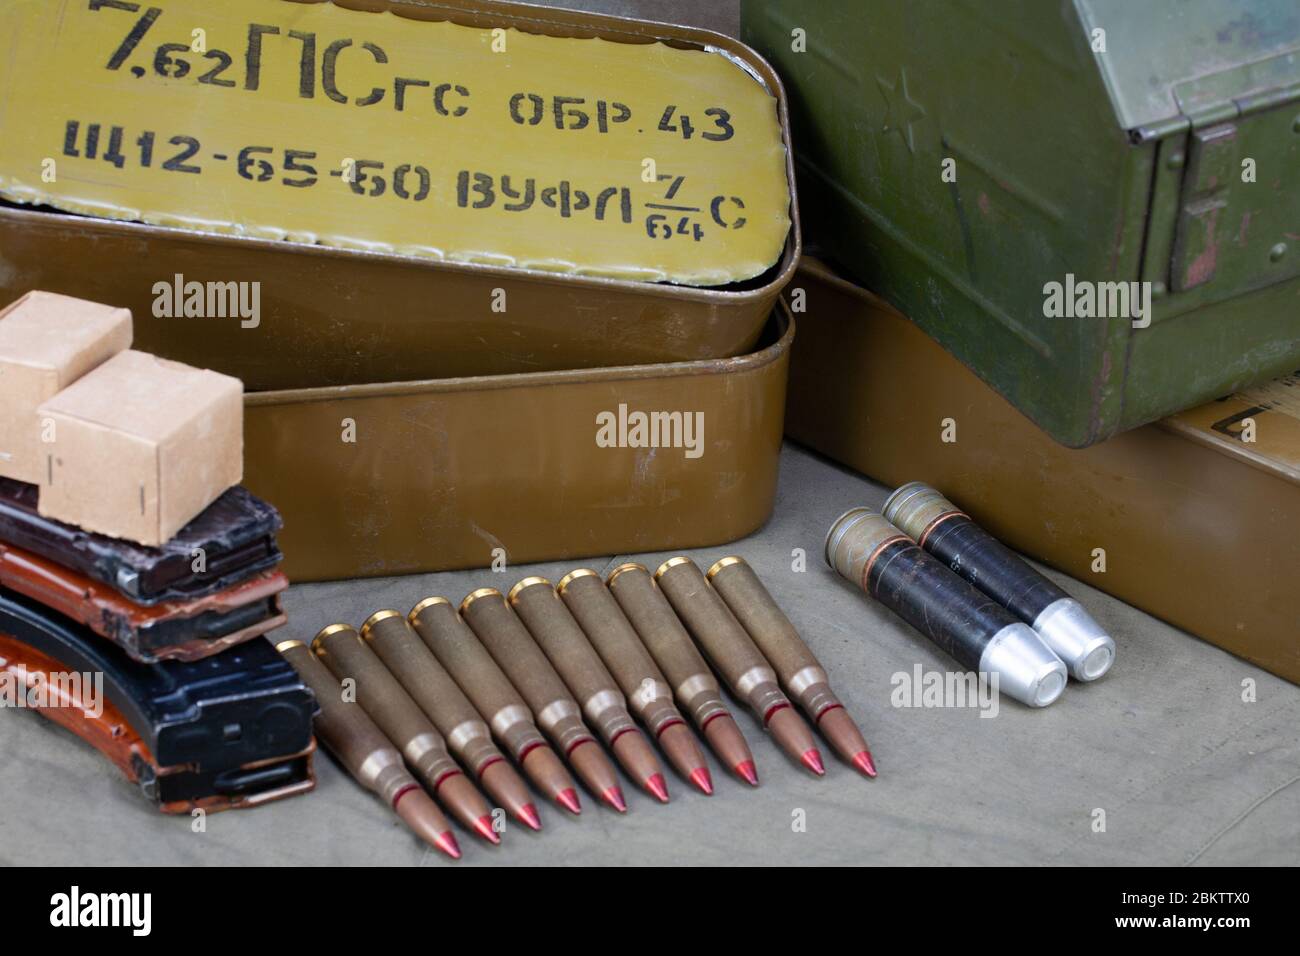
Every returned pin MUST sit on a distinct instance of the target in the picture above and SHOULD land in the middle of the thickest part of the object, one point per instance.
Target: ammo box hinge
(1223, 111)
(1219, 111)
(1164, 129)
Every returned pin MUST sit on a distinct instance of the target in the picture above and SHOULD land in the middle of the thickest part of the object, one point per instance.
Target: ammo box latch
(1238, 213)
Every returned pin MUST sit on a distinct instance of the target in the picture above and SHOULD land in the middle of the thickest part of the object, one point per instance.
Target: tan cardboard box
(142, 445)
(47, 342)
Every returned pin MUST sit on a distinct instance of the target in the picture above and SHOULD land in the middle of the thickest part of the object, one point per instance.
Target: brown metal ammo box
(335, 316)
(396, 478)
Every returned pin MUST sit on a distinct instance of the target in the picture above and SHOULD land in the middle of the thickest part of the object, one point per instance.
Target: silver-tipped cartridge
(942, 529)
(981, 634)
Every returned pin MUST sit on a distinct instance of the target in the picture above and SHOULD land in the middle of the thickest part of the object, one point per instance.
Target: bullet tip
(528, 813)
(748, 772)
(484, 827)
(569, 800)
(658, 786)
(446, 842)
(812, 759)
(614, 797)
(862, 760)
(701, 778)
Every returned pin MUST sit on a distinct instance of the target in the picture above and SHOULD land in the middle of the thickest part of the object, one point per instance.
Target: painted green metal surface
(1163, 149)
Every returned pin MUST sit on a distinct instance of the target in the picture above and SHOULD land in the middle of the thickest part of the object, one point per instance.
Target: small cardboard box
(47, 342)
(141, 446)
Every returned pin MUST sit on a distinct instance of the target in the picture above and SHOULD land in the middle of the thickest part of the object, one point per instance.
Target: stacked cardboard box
(128, 551)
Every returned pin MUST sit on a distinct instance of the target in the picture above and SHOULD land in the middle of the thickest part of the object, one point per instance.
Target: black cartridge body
(957, 616)
(945, 531)
(962, 620)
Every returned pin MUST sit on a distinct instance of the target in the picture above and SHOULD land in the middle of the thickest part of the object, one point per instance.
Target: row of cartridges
(449, 692)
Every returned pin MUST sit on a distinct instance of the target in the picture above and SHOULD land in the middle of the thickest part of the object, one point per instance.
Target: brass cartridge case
(432, 688)
(736, 657)
(455, 648)
(614, 639)
(517, 654)
(348, 731)
(467, 660)
(696, 689)
(340, 648)
(567, 648)
(800, 673)
(724, 642)
(662, 634)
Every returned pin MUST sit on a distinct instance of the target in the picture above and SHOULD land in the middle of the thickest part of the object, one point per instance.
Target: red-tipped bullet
(798, 670)
(701, 778)
(638, 759)
(547, 772)
(656, 784)
(422, 815)
(528, 813)
(662, 634)
(446, 842)
(748, 772)
(862, 760)
(366, 753)
(484, 827)
(813, 761)
(614, 797)
(568, 798)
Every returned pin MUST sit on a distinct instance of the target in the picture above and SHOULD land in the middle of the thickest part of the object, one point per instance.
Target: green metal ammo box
(1015, 175)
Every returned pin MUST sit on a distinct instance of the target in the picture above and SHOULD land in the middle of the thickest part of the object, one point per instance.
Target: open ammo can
(395, 478)
(398, 418)
(958, 158)
(352, 312)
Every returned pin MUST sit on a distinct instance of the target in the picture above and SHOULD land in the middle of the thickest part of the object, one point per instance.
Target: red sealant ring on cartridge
(827, 709)
(938, 521)
(588, 739)
(530, 748)
(866, 568)
(447, 776)
(767, 717)
(489, 762)
(673, 722)
(403, 792)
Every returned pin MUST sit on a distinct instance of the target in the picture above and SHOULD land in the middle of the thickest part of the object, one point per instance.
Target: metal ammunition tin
(442, 473)
(346, 317)
(1161, 173)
